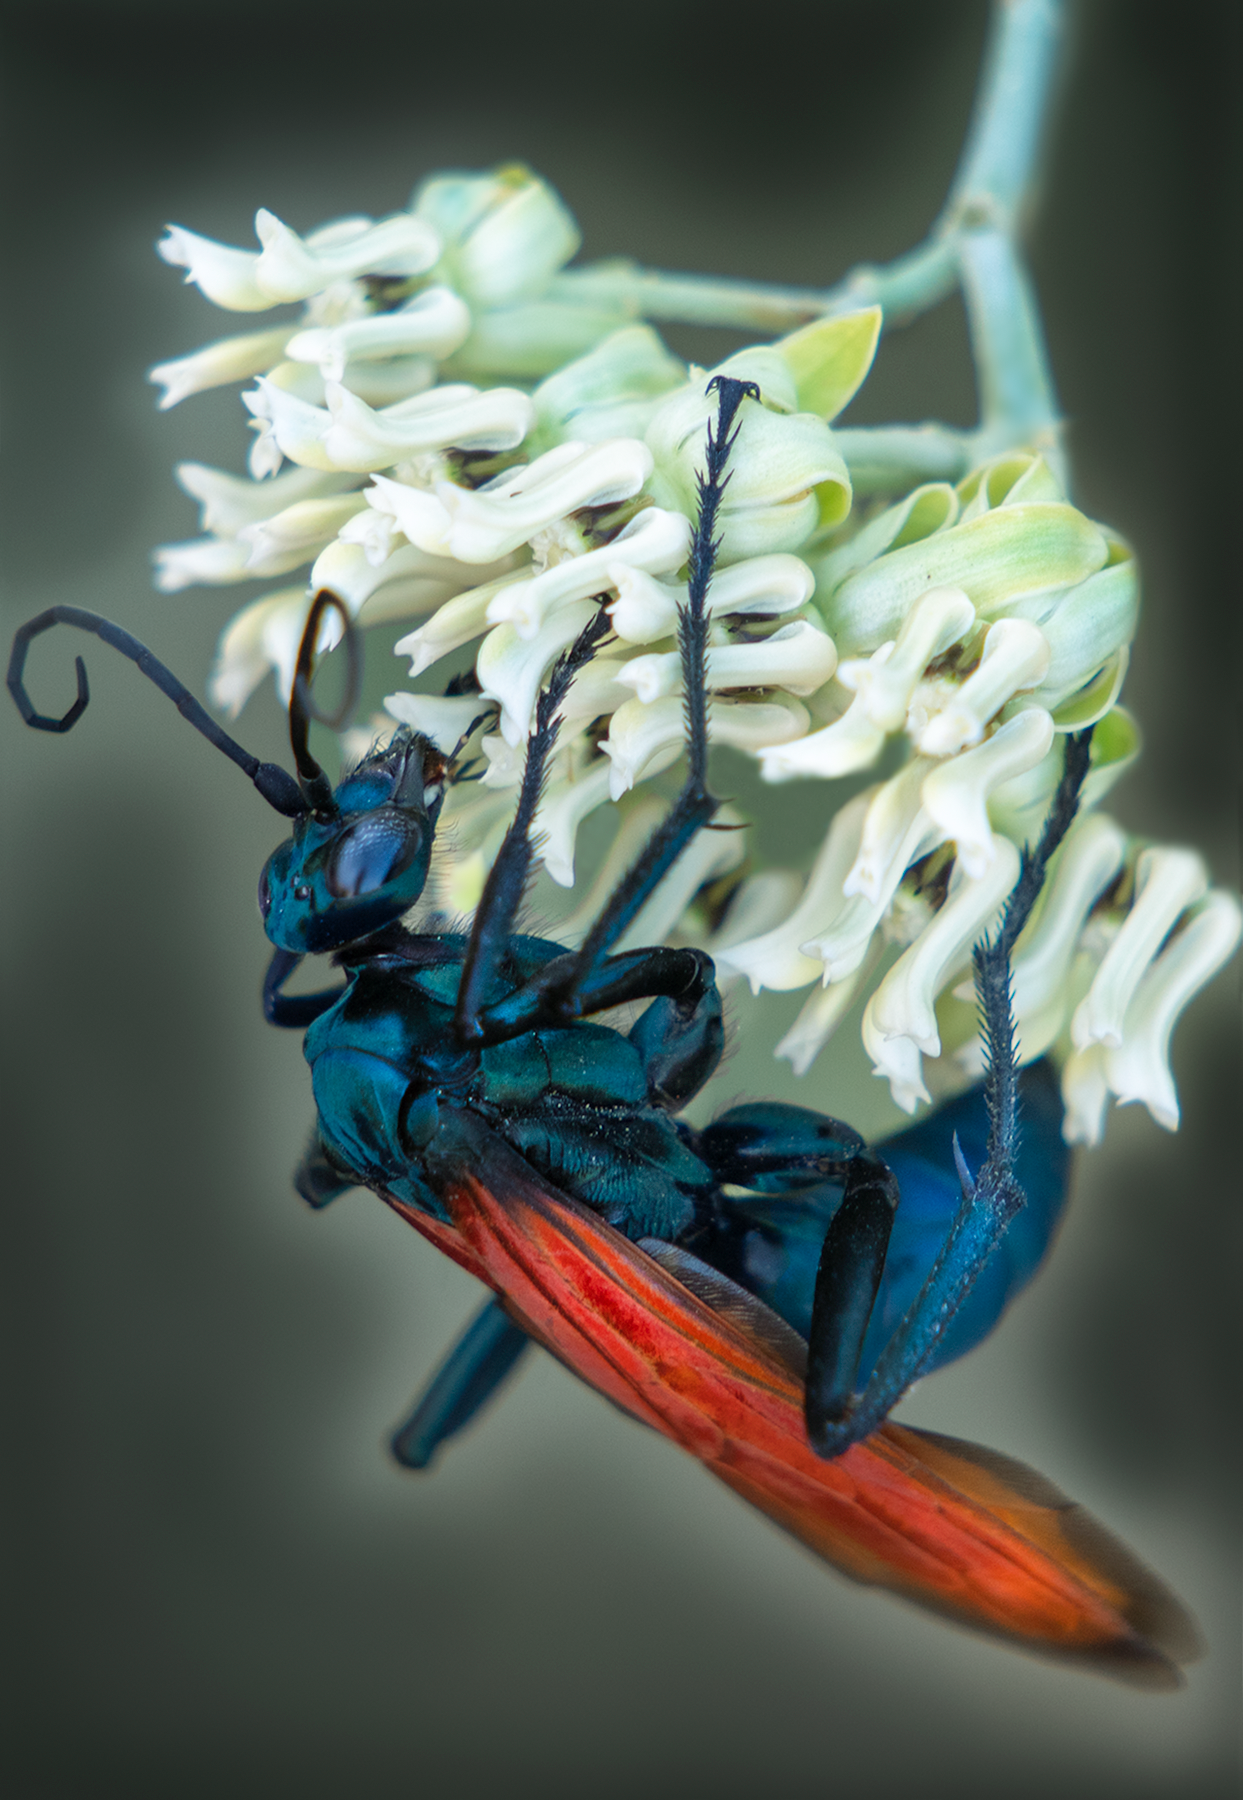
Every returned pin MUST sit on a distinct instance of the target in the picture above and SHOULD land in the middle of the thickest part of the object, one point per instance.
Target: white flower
(776, 958)
(512, 669)
(562, 811)
(230, 502)
(232, 359)
(819, 1018)
(1166, 883)
(1015, 656)
(444, 721)
(351, 573)
(654, 541)
(264, 636)
(646, 610)
(202, 559)
(456, 623)
(799, 658)
(294, 535)
(956, 792)
(904, 1003)
(492, 521)
(290, 268)
(348, 434)
(1139, 1067)
(643, 739)
(433, 323)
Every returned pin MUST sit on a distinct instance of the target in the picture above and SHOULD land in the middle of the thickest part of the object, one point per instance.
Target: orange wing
(972, 1535)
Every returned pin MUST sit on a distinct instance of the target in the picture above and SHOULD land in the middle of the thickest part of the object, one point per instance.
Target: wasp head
(352, 868)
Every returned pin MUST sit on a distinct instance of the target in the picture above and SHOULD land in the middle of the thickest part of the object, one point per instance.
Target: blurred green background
(217, 1581)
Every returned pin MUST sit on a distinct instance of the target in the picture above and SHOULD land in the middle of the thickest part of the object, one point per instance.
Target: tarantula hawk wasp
(762, 1291)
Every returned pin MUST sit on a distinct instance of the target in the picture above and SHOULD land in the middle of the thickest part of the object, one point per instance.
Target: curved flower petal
(904, 1005)
(799, 658)
(295, 534)
(896, 806)
(1139, 1069)
(849, 743)
(490, 522)
(956, 792)
(361, 437)
(896, 1060)
(208, 559)
(654, 541)
(897, 831)
(511, 669)
(562, 810)
(643, 739)
(776, 959)
(229, 502)
(1092, 854)
(443, 719)
(455, 623)
(223, 274)
(346, 568)
(215, 365)
(1015, 656)
(433, 323)
(646, 610)
(263, 636)
(886, 680)
(1166, 882)
(1085, 1093)
(291, 268)
(819, 1017)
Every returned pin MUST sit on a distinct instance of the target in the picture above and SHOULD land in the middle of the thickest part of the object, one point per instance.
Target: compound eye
(265, 894)
(371, 853)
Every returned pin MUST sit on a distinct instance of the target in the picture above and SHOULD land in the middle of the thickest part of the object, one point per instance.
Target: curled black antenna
(315, 785)
(275, 784)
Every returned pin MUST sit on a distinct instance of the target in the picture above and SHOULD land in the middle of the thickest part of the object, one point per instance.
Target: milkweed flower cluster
(449, 433)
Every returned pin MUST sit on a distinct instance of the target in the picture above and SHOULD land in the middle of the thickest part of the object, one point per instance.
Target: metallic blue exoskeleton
(786, 1203)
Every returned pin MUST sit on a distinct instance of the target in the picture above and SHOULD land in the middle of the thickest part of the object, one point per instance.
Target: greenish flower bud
(613, 391)
(786, 478)
(504, 235)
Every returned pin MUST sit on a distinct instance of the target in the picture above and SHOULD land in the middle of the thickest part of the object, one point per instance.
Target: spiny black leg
(993, 1198)
(694, 806)
(502, 896)
(578, 983)
(483, 1357)
(991, 961)
(684, 975)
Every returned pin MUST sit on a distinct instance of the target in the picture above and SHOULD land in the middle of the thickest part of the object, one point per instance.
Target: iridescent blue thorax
(574, 1099)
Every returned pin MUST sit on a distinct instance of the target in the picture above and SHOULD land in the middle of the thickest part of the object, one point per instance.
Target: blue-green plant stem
(973, 244)
(1017, 401)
